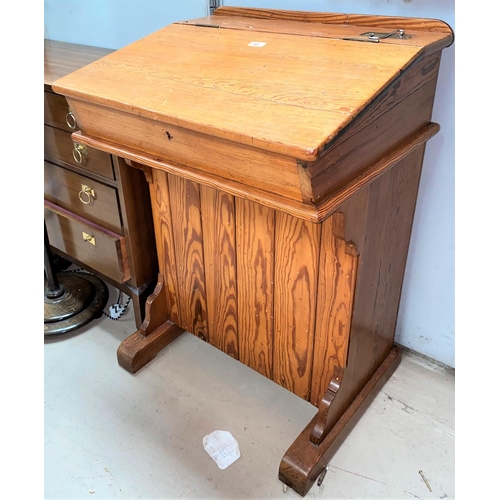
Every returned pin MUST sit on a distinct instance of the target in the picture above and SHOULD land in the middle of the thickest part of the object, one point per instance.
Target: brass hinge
(201, 25)
(375, 37)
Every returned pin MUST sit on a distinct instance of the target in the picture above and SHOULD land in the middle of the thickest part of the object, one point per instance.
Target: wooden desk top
(62, 58)
(283, 85)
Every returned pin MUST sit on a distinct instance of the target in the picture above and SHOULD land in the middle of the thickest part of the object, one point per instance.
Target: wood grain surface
(138, 350)
(62, 58)
(135, 204)
(336, 284)
(122, 201)
(257, 192)
(284, 181)
(296, 276)
(275, 103)
(404, 108)
(219, 252)
(258, 284)
(188, 243)
(378, 219)
(427, 40)
(199, 153)
(393, 22)
(304, 461)
(58, 148)
(255, 236)
(64, 188)
(55, 109)
(164, 233)
(108, 255)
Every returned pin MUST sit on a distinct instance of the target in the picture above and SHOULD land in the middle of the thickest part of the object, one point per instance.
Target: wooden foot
(155, 333)
(138, 350)
(304, 461)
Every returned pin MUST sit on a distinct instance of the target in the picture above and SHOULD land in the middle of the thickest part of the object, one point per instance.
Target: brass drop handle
(79, 150)
(71, 120)
(86, 194)
(87, 237)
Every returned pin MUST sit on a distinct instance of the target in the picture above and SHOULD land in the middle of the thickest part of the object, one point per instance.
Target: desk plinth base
(304, 461)
(155, 333)
(138, 350)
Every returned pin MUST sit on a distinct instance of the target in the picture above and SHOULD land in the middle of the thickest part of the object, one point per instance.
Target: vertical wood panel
(218, 221)
(255, 260)
(296, 269)
(337, 278)
(378, 219)
(188, 240)
(162, 218)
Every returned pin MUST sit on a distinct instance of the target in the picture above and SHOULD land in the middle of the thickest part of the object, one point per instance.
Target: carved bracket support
(324, 418)
(145, 168)
(304, 461)
(155, 333)
(338, 272)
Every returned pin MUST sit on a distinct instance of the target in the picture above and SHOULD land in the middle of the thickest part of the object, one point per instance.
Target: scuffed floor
(111, 434)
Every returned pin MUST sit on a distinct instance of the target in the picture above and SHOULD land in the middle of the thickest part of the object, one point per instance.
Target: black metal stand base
(71, 299)
(83, 298)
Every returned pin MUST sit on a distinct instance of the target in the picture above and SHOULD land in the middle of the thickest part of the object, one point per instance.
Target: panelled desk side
(90, 192)
(283, 217)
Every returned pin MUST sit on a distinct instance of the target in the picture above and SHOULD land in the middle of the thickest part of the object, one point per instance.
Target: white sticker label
(222, 447)
(257, 44)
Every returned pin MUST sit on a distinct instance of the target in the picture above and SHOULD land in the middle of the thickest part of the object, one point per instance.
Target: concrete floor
(111, 434)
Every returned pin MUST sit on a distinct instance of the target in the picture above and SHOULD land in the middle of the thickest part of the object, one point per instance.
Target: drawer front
(85, 197)
(199, 152)
(107, 253)
(56, 111)
(58, 145)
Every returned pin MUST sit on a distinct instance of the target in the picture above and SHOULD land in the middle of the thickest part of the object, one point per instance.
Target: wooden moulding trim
(384, 163)
(295, 208)
(373, 21)
(307, 212)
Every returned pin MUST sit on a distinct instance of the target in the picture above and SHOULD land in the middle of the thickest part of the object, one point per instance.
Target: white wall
(114, 23)
(427, 315)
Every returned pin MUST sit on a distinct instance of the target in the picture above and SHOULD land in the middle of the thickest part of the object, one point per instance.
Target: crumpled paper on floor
(222, 447)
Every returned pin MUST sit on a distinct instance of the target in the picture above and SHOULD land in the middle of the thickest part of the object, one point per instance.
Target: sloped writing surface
(289, 96)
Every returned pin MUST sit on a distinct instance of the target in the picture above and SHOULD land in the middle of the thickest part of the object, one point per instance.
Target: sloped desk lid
(293, 110)
(263, 86)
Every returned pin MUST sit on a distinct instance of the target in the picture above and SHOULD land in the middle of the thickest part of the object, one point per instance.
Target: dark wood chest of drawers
(97, 208)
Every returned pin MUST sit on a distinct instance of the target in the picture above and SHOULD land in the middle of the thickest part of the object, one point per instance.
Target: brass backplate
(88, 237)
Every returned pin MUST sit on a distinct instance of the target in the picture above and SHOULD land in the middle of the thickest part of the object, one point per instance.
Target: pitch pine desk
(283, 151)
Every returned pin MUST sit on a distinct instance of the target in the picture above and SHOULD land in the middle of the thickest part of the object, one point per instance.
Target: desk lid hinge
(375, 37)
(201, 25)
